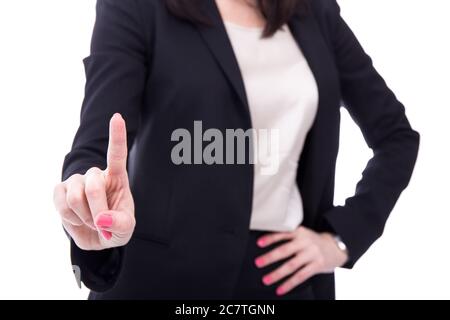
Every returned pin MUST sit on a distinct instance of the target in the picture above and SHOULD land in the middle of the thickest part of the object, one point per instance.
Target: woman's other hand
(307, 253)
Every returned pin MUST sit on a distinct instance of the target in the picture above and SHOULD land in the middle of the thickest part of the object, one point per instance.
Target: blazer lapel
(323, 139)
(216, 38)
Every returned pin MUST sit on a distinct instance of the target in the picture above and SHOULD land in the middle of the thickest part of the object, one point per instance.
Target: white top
(283, 99)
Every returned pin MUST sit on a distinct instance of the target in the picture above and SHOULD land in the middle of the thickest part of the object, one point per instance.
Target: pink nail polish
(104, 221)
(280, 291)
(261, 242)
(267, 280)
(107, 235)
(259, 262)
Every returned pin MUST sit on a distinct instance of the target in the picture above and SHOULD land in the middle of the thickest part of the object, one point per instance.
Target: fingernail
(104, 221)
(261, 242)
(280, 291)
(259, 262)
(107, 235)
(267, 280)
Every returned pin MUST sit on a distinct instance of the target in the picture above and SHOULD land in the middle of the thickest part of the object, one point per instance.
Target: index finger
(117, 147)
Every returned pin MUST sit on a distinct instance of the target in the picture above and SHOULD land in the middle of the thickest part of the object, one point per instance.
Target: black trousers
(250, 285)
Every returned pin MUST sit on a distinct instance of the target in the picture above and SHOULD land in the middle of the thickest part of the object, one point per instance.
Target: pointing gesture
(117, 147)
(97, 209)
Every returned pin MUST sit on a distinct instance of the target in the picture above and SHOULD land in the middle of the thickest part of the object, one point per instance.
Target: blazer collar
(216, 38)
(304, 29)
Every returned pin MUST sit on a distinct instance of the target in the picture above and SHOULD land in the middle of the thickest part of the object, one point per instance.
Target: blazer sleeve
(382, 120)
(115, 79)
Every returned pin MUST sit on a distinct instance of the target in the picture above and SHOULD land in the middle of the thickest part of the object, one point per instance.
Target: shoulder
(324, 7)
(136, 6)
(324, 10)
(327, 15)
(132, 14)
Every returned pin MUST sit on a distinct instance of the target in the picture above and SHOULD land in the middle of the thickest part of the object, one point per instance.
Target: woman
(181, 218)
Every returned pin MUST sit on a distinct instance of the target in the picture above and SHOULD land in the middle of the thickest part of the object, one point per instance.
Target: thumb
(115, 222)
(117, 147)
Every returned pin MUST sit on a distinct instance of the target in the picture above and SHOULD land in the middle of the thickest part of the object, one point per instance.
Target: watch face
(340, 243)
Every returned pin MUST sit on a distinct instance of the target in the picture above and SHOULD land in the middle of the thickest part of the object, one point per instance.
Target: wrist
(340, 248)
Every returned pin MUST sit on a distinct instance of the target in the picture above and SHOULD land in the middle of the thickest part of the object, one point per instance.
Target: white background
(42, 44)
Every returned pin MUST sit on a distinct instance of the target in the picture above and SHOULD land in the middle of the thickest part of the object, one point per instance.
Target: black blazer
(162, 73)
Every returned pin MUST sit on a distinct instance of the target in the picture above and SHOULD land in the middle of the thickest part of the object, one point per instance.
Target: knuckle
(307, 241)
(74, 199)
(94, 184)
(132, 223)
(296, 242)
(315, 248)
(65, 214)
(291, 265)
(93, 190)
(87, 221)
(74, 177)
(93, 170)
(57, 191)
(129, 225)
(282, 250)
(295, 246)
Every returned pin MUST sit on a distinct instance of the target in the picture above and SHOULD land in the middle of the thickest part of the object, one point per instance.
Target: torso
(283, 100)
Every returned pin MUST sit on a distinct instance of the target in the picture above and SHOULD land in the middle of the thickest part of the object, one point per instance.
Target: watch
(341, 245)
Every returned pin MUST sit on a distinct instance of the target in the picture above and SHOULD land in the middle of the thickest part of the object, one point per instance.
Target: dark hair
(276, 12)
